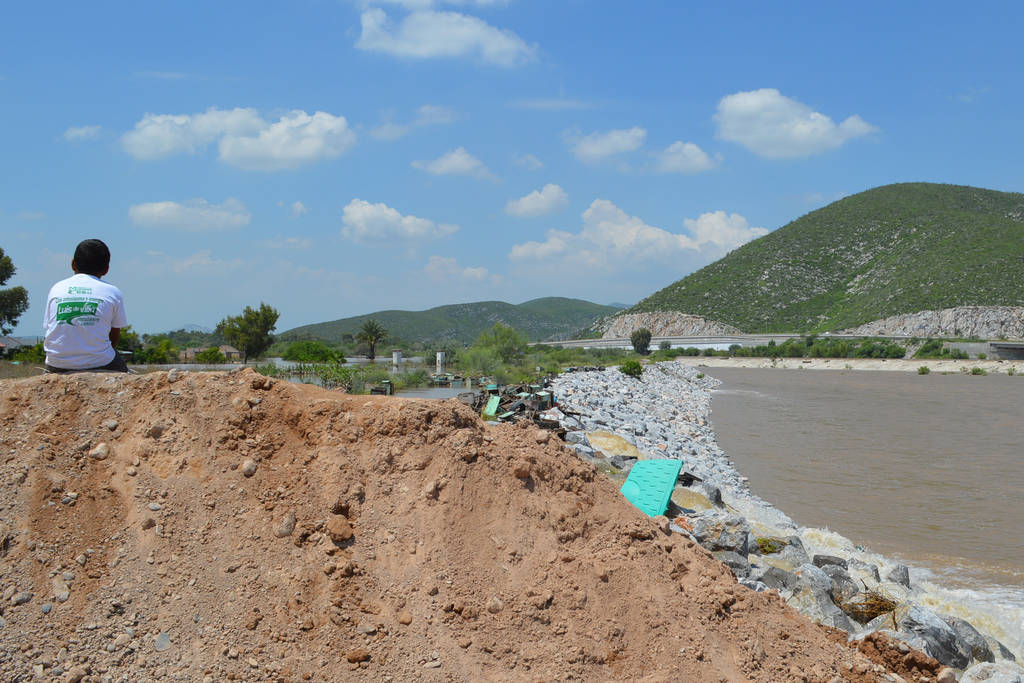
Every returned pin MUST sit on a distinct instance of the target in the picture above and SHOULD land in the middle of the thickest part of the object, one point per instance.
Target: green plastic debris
(650, 483)
(492, 407)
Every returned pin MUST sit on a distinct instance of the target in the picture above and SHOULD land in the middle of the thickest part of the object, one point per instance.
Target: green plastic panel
(650, 484)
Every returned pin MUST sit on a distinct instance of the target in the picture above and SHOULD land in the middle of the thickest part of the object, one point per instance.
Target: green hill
(894, 249)
(539, 320)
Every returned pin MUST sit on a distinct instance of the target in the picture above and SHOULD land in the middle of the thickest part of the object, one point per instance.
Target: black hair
(92, 257)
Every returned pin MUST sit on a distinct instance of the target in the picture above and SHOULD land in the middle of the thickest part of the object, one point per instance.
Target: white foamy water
(892, 467)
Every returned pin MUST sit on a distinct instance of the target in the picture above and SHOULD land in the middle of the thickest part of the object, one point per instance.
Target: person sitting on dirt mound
(84, 316)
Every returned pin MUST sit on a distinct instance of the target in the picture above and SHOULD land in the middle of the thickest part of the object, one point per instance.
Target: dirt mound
(225, 526)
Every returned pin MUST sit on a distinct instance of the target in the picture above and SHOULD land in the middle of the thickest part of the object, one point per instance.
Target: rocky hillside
(539, 319)
(889, 251)
(983, 322)
(662, 324)
(223, 526)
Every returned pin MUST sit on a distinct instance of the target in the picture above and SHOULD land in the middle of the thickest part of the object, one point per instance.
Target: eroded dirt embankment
(227, 526)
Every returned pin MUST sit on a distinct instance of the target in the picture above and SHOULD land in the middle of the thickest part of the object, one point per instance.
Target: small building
(230, 352)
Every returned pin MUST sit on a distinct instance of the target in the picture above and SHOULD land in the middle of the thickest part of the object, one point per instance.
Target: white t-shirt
(79, 314)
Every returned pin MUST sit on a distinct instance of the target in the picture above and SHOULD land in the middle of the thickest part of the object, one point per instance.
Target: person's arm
(115, 336)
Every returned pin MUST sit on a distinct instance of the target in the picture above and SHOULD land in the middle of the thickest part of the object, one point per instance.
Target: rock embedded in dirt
(100, 452)
(249, 467)
(286, 525)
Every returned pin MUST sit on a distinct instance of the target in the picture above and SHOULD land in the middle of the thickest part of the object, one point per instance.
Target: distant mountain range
(891, 250)
(539, 319)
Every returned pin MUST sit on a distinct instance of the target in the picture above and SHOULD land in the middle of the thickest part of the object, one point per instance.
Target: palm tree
(371, 334)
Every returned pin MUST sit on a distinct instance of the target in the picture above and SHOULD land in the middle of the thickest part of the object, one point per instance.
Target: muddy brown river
(927, 468)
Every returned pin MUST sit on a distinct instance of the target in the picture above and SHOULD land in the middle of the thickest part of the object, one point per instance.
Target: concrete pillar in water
(396, 357)
(439, 368)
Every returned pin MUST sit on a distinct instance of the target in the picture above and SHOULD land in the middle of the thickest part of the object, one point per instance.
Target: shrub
(665, 345)
(923, 370)
(1011, 371)
(982, 356)
(211, 356)
(700, 375)
(979, 371)
(641, 340)
(632, 368)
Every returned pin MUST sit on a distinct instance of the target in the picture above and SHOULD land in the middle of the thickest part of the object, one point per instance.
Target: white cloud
(530, 162)
(598, 146)
(244, 138)
(426, 34)
(75, 133)
(296, 139)
(197, 215)
(456, 162)
(376, 224)
(723, 230)
(298, 208)
(444, 268)
(772, 125)
(539, 202)
(390, 131)
(684, 157)
(199, 262)
(435, 115)
(613, 240)
(288, 243)
(426, 115)
(162, 135)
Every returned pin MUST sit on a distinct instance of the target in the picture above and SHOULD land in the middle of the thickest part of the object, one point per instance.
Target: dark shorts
(116, 365)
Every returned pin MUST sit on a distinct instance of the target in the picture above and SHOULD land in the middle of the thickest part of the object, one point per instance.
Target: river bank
(666, 413)
(941, 366)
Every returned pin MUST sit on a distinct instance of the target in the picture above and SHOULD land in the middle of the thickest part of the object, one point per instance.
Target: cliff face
(664, 324)
(985, 322)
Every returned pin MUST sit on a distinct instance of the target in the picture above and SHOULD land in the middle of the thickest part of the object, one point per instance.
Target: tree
(311, 352)
(505, 341)
(157, 350)
(14, 300)
(371, 334)
(250, 331)
(130, 343)
(641, 340)
(210, 356)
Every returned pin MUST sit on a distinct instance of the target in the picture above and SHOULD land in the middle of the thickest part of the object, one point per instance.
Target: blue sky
(337, 157)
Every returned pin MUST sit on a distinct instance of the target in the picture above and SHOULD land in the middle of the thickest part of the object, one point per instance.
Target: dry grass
(9, 370)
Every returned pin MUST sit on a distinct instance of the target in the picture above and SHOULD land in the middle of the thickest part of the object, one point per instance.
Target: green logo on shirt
(69, 311)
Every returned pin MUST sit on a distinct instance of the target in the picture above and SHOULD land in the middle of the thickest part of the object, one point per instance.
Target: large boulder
(979, 647)
(843, 587)
(776, 578)
(813, 577)
(722, 532)
(736, 562)
(999, 672)
(941, 641)
(900, 574)
(816, 604)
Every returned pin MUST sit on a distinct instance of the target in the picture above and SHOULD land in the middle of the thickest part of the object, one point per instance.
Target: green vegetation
(979, 371)
(539, 319)
(632, 368)
(30, 354)
(935, 348)
(894, 249)
(311, 352)
(250, 331)
(211, 356)
(800, 347)
(353, 379)
(371, 334)
(770, 546)
(13, 300)
(641, 340)
(924, 370)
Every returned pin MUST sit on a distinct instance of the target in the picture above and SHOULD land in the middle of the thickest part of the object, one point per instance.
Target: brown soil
(377, 539)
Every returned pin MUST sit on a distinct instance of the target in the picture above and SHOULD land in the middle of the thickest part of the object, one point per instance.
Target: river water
(925, 468)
